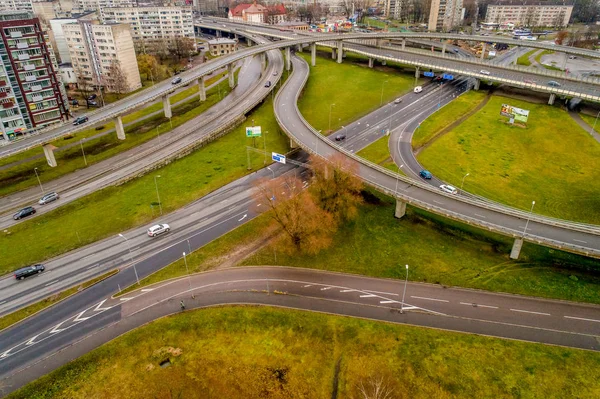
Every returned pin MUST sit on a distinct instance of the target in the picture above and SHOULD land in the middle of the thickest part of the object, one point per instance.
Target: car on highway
(425, 174)
(176, 81)
(275, 73)
(398, 100)
(80, 120)
(484, 72)
(572, 57)
(448, 189)
(48, 198)
(158, 229)
(268, 84)
(28, 271)
(29, 210)
(553, 83)
(418, 89)
(340, 137)
(529, 81)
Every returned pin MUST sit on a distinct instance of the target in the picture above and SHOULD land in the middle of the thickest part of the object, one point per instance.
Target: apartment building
(530, 13)
(393, 8)
(16, 5)
(152, 24)
(31, 93)
(445, 15)
(96, 50)
(222, 46)
(99, 5)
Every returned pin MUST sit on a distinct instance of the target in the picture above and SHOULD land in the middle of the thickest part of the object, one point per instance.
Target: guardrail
(591, 229)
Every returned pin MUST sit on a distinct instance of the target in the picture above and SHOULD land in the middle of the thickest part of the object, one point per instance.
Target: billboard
(514, 113)
(253, 131)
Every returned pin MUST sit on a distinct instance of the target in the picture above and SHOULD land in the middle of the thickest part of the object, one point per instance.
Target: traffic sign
(278, 157)
(253, 131)
(447, 76)
(428, 74)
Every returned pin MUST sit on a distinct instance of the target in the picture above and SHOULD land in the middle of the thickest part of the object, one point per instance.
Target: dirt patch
(167, 350)
(242, 252)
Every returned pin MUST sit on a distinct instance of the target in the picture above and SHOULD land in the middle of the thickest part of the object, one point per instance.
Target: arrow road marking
(31, 341)
(243, 217)
(56, 329)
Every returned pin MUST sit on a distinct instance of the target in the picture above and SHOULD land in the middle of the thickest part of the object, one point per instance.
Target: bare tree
(116, 79)
(375, 388)
(85, 83)
(182, 47)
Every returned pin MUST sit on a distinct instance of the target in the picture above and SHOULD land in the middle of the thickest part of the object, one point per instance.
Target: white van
(418, 89)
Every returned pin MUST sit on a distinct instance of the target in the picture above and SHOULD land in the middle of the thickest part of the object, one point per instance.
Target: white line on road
(51, 282)
(379, 292)
(308, 285)
(368, 296)
(528, 311)
(429, 299)
(347, 290)
(326, 288)
(91, 267)
(147, 289)
(2, 302)
(478, 215)
(389, 302)
(478, 305)
(583, 242)
(438, 202)
(582, 318)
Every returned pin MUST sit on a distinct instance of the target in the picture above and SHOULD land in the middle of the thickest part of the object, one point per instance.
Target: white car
(48, 198)
(484, 72)
(448, 189)
(418, 89)
(397, 101)
(158, 229)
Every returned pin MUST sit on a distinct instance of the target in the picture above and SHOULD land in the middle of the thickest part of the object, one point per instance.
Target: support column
(483, 51)
(293, 144)
(249, 42)
(231, 76)
(551, 99)
(263, 61)
(288, 59)
(313, 54)
(167, 107)
(370, 62)
(299, 48)
(516, 248)
(476, 85)
(443, 48)
(333, 53)
(403, 44)
(49, 153)
(377, 42)
(340, 51)
(400, 209)
(417, 72)
(119, 126)
(202, 89)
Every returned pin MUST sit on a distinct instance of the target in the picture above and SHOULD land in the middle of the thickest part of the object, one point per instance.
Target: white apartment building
(150, 24)
(100, 5)
(445, 15)
(95, 49)
(530, 13)
(17, 5)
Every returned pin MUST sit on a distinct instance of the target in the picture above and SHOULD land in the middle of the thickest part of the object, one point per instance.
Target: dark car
(80, 120)
(176, 81)
(268, 84)
(92, 103)
(29, 271)
(92, 97)
(340, 137)
(24, 212)
(425, 174)
(553, 83)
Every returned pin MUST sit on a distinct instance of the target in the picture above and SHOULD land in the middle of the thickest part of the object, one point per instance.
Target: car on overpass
(80, 120)
(29, 210)
(448, 189)
(425, 174)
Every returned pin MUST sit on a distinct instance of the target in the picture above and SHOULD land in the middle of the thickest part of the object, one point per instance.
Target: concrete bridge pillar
(333, 53)
(551, 99)
(371, 62)
(119, 125)
(443, 48)
(403, 44)
(249, 42)
(383, 62)
(288, 58)
(516, 248)
(483, 51)
(400, 209)
(299, 48)
(476, 85)
(231, 76)
(166, 108)
(293, 144)
(202, 89)
(49, 153)
(313, 54)
(417, 72)
(377, 42)
(340, 51)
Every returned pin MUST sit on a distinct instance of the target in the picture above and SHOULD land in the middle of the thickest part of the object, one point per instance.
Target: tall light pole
(463, 181)
(404, 293)
(398, 178)
(83, 152)
(130, 254)
(594, 127)
(528, 217)
(265, 146)
(39, 181)
(157, 196)
(188, 271)
(382, 84)
(272, 188)
(390, 121)
(330, 107)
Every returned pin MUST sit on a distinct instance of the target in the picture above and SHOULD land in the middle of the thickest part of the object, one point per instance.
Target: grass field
(21, 177)
(15, 317)
(115, 209)
(590, 120)
(355, 89)
(379, 153)
(552, 161)
(445, 116)
(254, 352)
(524, 59)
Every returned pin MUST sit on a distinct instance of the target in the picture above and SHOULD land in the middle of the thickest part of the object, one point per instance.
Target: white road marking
(243, 217)
(326, 288)
(379, 292)
(368, 296)
(583, 242)
(91, 267)
(438, 202)
(528, 311)
(125, 299)
(478, 305)
(478, 215)
(429, 299)
(347, 290)
(389, 302)
(147, 289)
(582, 318)
(51, 282)
(307, 285)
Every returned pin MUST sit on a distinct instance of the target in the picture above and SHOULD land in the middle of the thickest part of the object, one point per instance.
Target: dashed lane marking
(347, 290)
(326, 288)
(308, 285)
(529, 311)
(430, 299)
(147, 289)
(480, 216)
(368, 296)
(389, 302)
(583, 242)
(50, 283)
(477, 305)
(582, 318)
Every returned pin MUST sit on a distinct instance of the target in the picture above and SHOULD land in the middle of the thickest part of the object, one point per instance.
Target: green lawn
(552, 161)
(354, 88)
(446, 116)
(590, 120)
(115, 209)
(21, 177)
(524, 59)
(262, 352)
(379, 153)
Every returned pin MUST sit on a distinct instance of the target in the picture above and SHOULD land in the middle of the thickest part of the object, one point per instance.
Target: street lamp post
(463, 181)
(83, 152)
(272, 188)
(398, 178)
(265, 146)
(404, 293)
(131, 255)
(157, 196)
(330, 107)
(528, 217)
(382, 84)
(188, 272)
(390, 119)
(596, 120)
(38, 179)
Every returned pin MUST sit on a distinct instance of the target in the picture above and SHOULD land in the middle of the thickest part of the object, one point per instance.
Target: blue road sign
(447, 76)
(428, 74)
(278, 157)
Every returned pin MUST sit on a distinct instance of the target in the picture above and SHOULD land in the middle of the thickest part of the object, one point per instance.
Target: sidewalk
(584, 125)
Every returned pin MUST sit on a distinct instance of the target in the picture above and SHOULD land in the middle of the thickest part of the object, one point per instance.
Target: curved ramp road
(545, 231)
(25, 358)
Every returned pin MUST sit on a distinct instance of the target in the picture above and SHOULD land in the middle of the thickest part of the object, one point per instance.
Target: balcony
(36, 88)
(8, 105)
(3, 94)
(29, 67)
(22, 45)
(23, 57)
(16, 35)
(37, 98)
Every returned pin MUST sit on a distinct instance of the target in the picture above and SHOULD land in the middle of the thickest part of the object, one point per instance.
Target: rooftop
(222, 40)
